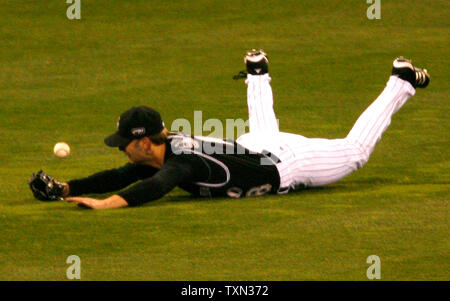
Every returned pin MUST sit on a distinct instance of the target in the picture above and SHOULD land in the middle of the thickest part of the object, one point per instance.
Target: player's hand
(114, 201)
(85, 202)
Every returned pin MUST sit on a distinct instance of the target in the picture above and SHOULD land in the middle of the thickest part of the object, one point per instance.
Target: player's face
(136, 152)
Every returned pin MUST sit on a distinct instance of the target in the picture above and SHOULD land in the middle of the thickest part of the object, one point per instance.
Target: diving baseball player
(262, 161)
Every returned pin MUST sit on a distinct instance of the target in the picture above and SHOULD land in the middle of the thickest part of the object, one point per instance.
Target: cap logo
(138, 131)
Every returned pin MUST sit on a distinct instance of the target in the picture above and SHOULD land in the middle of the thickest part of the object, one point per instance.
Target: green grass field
(69, 80)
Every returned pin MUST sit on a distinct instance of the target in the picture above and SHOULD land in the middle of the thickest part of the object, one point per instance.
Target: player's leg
(318, 162)
(262, 118)
(370, 126)
(262, 121)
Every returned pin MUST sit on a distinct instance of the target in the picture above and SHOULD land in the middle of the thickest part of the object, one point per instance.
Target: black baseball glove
(45, 187)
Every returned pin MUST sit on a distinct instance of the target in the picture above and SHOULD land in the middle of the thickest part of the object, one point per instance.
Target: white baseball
(61, 149)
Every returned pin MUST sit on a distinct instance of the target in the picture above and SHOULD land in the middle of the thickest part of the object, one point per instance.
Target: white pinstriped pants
(314, 162)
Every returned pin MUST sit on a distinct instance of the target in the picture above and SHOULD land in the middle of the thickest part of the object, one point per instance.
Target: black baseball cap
(135, 123)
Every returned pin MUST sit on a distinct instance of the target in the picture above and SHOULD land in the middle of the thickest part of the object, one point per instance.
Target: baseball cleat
(404, 69)
(256, 62)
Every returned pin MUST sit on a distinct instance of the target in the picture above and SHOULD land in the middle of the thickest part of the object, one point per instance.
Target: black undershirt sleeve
(174, 172)
(110, 180)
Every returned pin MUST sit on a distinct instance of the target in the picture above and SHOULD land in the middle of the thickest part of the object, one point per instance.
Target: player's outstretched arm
(113, 202)
(173, 173)
(109, 180)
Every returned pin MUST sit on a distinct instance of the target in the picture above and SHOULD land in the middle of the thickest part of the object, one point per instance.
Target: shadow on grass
(340, 187)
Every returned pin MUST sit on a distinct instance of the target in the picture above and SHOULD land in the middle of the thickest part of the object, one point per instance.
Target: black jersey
(203, 166)
(233, 170)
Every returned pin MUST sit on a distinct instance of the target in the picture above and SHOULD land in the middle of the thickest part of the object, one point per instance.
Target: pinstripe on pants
(315, 162)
